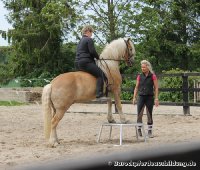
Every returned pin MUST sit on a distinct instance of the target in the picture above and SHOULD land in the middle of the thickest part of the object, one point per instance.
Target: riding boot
(99, 89)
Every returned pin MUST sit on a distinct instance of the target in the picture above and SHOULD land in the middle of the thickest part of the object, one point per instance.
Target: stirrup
(99, 95)
(102, 99)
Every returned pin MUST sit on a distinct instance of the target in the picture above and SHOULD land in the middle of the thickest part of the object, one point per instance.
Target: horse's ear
(128, 39)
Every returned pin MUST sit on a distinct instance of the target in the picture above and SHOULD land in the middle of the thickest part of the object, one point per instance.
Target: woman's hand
(156, 102)
(134, 101)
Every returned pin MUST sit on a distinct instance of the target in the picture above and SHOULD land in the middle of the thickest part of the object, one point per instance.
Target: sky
(4, 25)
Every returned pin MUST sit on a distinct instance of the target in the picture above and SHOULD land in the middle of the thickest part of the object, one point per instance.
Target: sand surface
(22, 140)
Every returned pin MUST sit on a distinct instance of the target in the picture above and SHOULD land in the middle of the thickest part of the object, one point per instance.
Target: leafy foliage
(3, 34)
(174, 82)
(129, 84)
(164, 32)
(171, 82)
(169, 31)
(37, 36)
(5, 74)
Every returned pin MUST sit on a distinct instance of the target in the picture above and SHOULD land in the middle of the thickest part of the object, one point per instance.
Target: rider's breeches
(148, 101)
(92, 68)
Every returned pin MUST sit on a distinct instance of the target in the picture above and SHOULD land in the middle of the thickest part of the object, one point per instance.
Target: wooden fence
(196, 93)
(185, 89)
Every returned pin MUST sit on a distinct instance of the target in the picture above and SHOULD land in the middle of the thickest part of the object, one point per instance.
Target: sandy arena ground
(22, 140)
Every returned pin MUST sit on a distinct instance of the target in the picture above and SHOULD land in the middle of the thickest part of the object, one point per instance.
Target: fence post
(186, 107)
(198, 93)
(195, 93)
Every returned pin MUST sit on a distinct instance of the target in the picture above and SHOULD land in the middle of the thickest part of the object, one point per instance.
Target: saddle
(105, 80)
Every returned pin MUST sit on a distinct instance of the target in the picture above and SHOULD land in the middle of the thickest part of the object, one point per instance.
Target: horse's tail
(47, 109)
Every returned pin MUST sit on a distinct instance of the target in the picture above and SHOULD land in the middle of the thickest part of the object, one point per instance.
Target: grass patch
(11, 83)
(11, 103)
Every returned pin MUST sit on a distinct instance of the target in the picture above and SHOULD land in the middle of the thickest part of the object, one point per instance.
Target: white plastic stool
(136, 125)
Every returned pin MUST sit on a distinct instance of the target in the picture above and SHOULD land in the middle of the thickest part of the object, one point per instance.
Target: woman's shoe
(150, 135)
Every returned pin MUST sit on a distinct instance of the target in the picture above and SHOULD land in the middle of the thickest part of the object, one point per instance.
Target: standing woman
(85, 58)
(147, 89)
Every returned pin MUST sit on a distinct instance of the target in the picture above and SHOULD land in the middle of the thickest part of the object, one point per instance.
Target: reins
(110, 59)
(106, 64)
(108, 71)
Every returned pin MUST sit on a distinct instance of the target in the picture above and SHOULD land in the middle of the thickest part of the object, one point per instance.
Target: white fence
(196, 93)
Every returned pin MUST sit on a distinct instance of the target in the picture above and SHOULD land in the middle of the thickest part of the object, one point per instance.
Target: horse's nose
(130, 62)
(131, 59)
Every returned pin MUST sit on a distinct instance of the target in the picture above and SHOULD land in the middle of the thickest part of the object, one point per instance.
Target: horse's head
(130, 52)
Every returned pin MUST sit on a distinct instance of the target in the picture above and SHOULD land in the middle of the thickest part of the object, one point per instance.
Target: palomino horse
(72, 87)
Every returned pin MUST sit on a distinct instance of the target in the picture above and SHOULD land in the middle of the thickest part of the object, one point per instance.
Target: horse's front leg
(53, 140)
(110, 116)
(119, 107)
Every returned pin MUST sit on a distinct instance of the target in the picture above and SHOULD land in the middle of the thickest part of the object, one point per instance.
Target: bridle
(127, 57)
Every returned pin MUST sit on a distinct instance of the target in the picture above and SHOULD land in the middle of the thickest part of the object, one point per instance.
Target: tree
(112, 19)
(170, 30)
(37, 35)
(5, 53)
(3, 34)
(166, 31)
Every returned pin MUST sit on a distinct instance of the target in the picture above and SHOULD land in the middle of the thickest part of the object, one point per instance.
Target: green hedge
(174, 82)
(164, 82)
(128, 83)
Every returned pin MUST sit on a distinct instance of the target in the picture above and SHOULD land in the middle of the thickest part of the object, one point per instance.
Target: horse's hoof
(111, 121)
(53, 144)
(128, 122)
(125, 121)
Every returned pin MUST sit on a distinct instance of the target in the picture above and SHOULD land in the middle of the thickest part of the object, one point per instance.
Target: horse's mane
(112, 54)
(114, 49)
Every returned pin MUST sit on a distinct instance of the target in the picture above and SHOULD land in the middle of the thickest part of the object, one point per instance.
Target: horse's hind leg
(110, 116)
(58, 115)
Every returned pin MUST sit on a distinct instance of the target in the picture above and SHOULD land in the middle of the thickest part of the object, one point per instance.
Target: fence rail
(185, 89)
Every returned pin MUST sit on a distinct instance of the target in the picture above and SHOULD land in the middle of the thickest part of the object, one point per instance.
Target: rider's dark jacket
(86, 49)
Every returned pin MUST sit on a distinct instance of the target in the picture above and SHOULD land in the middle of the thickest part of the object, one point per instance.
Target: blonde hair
(148, 64)
(87, 28)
